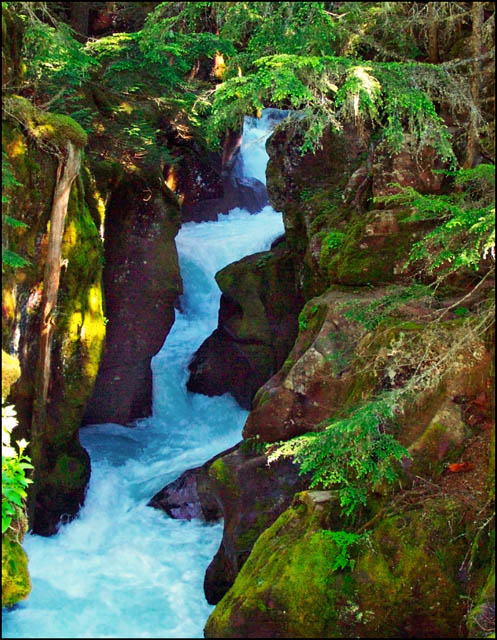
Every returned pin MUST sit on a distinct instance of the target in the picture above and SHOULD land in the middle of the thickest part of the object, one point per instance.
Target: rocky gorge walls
(79, 320)
(301, 568)
(256, 328)
(142, 283)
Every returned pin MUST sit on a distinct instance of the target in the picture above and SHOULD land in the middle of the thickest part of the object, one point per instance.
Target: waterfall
(122, 569)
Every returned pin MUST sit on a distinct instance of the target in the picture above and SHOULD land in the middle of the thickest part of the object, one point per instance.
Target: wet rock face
(409, 167)
(256, 329)
(142, 282)
(190, 496)
(64, 468)
(207, 185)
(314, 381)
(251, 494)
(245, 193)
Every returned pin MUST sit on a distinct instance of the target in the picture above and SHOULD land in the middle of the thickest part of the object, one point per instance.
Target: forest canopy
(219, 61)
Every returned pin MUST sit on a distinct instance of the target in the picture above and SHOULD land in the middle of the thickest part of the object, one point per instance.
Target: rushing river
(122, 569)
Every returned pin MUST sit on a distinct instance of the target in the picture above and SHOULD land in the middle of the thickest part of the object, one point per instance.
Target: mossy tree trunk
(67, 171)
(476, 42)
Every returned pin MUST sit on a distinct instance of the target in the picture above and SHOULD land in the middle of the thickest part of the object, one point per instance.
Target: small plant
(262, 262)
(304, 317)
(343, 540)
(306, 194)
(334, 239)
(9, 184)
(14, 466)
(465, 234)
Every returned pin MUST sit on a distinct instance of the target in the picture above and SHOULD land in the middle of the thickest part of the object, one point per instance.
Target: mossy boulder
(309, 190)
(256, 329)
(441, 442)
(316, 379)
(50, 128)
(282, 591)
(403, 582)
(251, 495)
(16, 584)
(374, 249)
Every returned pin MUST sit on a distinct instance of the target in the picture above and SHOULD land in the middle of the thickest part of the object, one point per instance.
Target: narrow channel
(122, 569)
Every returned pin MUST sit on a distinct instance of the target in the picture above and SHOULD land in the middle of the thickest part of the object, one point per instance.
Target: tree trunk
(476, 41)
(80, 12)
(432, 34)
(67, 171)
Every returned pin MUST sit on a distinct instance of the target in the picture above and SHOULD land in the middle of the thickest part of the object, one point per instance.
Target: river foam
(122, 569)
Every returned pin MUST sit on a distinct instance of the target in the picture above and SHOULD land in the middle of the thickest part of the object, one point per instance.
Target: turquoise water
(122, 569)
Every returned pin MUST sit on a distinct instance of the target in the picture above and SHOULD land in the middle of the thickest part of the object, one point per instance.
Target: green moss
(282, 589)
(16, 584)
(441, 442)
(331, 243)
(79, 319)
(44, 126)
(290, 587)
(220, 471)
(411, 569)
(261, 397)
(10, 372)
(311, 320)
(358, 263)
(482, 617)
(69, 473)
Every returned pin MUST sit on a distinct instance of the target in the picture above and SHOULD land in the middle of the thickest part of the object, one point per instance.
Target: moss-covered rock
(251, 494)
(52, 128)
(403, 582)
(442, 441)
(283, 589)
(309, 191)
(481, 619)
(256, 329)
(316, 379)
(16, 584)
(79, 320)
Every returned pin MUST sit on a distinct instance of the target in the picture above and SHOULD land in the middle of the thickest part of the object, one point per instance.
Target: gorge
(262, 401)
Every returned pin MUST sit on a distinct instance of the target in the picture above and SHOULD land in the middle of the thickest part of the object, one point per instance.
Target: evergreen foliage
(466, 235)
(391, 68)
(353, 453)
(9, 183)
